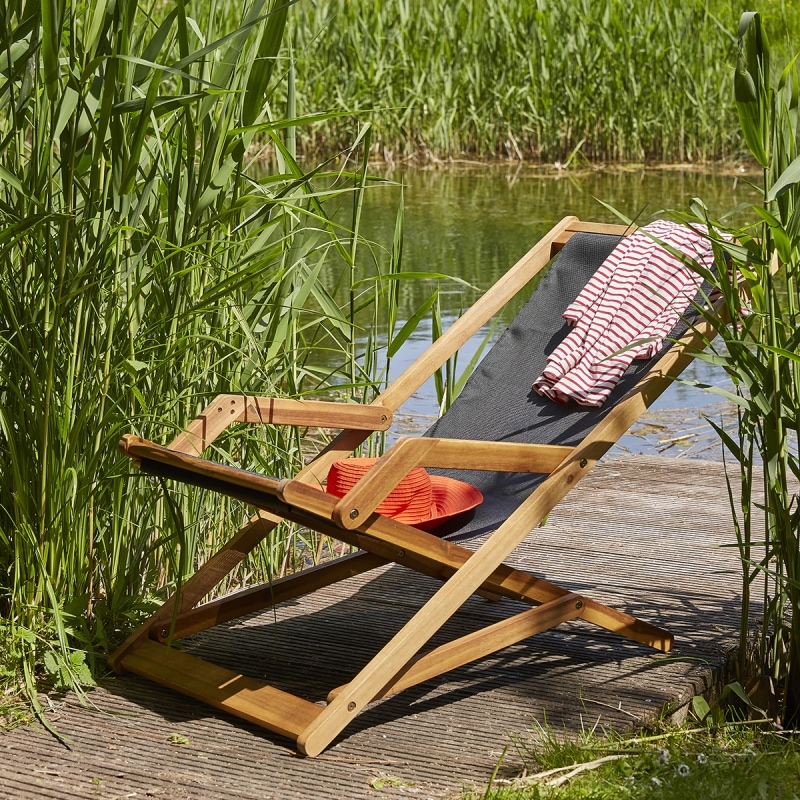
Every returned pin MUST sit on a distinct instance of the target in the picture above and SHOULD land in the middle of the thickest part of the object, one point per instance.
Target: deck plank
(639, 532)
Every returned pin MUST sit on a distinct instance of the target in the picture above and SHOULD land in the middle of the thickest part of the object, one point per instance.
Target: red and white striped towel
(634, 298)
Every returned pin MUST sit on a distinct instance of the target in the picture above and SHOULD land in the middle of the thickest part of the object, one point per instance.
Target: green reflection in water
(476, 223)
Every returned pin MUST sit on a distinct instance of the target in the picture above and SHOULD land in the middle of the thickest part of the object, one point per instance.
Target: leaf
(51, 664)
(788, 178)
(736, 688)
(137, 141)
(732, 446)
(411, 325)
(751, 86)
(700, 707)
(80, 669)
(153, 49)
(96, 15)
(25, 634)
(792, 356)
(473, 363)
(212, 191)
(51, 42)
(416, 276)
(294, 122)
(13, 181)
(69, 102)
(159, 106)
(264, 64)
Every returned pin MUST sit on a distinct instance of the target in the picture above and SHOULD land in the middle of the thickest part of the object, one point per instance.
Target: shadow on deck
(641, 533)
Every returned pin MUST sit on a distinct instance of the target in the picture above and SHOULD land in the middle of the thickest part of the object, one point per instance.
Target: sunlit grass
(735, 761)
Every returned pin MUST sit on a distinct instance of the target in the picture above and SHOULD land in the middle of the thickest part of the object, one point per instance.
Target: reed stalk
(148, 263)
(762, 340)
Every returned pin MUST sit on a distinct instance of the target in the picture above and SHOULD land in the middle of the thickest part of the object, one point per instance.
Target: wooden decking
(641, 533)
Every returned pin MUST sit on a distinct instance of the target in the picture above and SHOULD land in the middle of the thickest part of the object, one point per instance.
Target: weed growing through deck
(732, 761)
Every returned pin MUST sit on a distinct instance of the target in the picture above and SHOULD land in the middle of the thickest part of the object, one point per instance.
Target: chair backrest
(497, 402)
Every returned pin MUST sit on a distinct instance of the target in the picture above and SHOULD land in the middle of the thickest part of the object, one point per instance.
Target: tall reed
(517, 79)
(762, 339)
(148, 262)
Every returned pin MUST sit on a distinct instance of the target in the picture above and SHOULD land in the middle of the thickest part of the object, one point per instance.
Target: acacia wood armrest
(229, 408)
(408, 453)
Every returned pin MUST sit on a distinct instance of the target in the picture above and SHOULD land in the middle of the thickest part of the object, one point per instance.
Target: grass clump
(731, 761)
(147, 263)
(759, 283)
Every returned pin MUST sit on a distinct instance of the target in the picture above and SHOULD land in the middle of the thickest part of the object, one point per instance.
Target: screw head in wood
(354, 513)
(351, 706)
(584, 462)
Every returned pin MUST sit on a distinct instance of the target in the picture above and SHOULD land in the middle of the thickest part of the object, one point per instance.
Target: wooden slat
(407, 453)
(482, 643)
(591, 227)
(317, 413)
(256, 598)
(494, 456)
(623, 624)
(226, 409)
(222, 411)
(222, 688)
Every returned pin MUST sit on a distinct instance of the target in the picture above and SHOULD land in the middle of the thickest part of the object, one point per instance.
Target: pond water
(476, 223)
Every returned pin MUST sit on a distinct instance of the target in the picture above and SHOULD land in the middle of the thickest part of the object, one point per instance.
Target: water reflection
(475, 223)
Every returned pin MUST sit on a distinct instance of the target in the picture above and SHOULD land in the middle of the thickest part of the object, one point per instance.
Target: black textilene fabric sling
(497, 403)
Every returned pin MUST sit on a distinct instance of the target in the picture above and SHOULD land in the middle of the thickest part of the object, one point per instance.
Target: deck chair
(523, 452)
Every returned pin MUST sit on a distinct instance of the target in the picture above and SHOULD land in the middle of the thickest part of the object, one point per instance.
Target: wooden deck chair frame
(398, 665)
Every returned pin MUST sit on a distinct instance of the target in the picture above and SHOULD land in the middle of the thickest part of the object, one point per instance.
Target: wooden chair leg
(395, 655)
(222, 688)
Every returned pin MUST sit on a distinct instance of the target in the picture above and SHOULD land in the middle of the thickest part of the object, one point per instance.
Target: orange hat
(420, 499)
